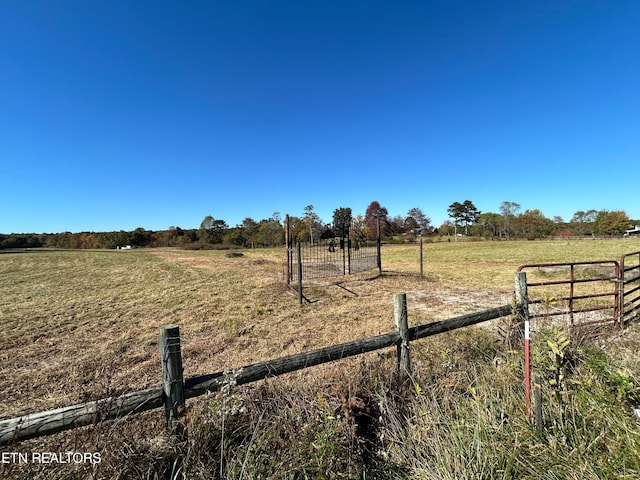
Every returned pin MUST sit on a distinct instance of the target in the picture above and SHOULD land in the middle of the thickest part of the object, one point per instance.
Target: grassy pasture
(81, 325)
(491, 264)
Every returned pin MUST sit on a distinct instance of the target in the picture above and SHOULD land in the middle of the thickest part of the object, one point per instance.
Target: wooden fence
(175, 390)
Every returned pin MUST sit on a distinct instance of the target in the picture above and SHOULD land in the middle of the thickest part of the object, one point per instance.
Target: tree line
(465, 219)
(511, 222)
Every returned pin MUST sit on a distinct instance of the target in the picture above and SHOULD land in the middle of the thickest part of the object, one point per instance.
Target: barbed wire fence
(329, 256)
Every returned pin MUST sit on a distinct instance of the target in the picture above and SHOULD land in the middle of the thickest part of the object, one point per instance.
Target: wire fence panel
(363, 257)
(332, 257)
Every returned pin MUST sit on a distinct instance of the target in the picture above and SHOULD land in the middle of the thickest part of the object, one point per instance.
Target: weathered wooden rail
(174, 390)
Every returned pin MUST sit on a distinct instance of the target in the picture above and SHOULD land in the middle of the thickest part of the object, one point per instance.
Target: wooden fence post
(522, 311)
(402, 325)
(537, 395)
(522, 302)
(172, 381)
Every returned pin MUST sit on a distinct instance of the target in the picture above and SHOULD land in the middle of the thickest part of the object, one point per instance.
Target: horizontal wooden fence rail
(208, 383)
(66, 418)
(435, 328)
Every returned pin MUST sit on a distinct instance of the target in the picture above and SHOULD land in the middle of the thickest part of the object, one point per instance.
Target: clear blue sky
(123, 114)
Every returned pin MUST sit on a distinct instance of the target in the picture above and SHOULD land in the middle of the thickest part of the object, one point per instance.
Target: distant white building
(633, 232)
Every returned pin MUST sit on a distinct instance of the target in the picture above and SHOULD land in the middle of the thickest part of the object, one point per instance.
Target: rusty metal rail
(629, 286)
(605, 274)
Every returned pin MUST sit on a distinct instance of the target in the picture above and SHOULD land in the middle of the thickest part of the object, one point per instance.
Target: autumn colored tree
(533, 224)
(612, 223)
(377, 220)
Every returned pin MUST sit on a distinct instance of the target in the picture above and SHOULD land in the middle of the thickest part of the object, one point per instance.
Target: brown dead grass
(82, 325)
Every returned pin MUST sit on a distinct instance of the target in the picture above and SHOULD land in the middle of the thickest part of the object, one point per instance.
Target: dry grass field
(81, 325)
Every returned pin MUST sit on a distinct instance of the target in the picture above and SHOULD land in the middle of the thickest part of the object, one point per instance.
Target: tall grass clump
(468, 420)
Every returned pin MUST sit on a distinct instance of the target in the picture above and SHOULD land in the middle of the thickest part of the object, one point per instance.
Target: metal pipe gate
(629, 282)
(584, 292)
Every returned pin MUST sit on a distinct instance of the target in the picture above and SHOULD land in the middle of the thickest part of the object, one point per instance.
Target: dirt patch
(448, 302)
